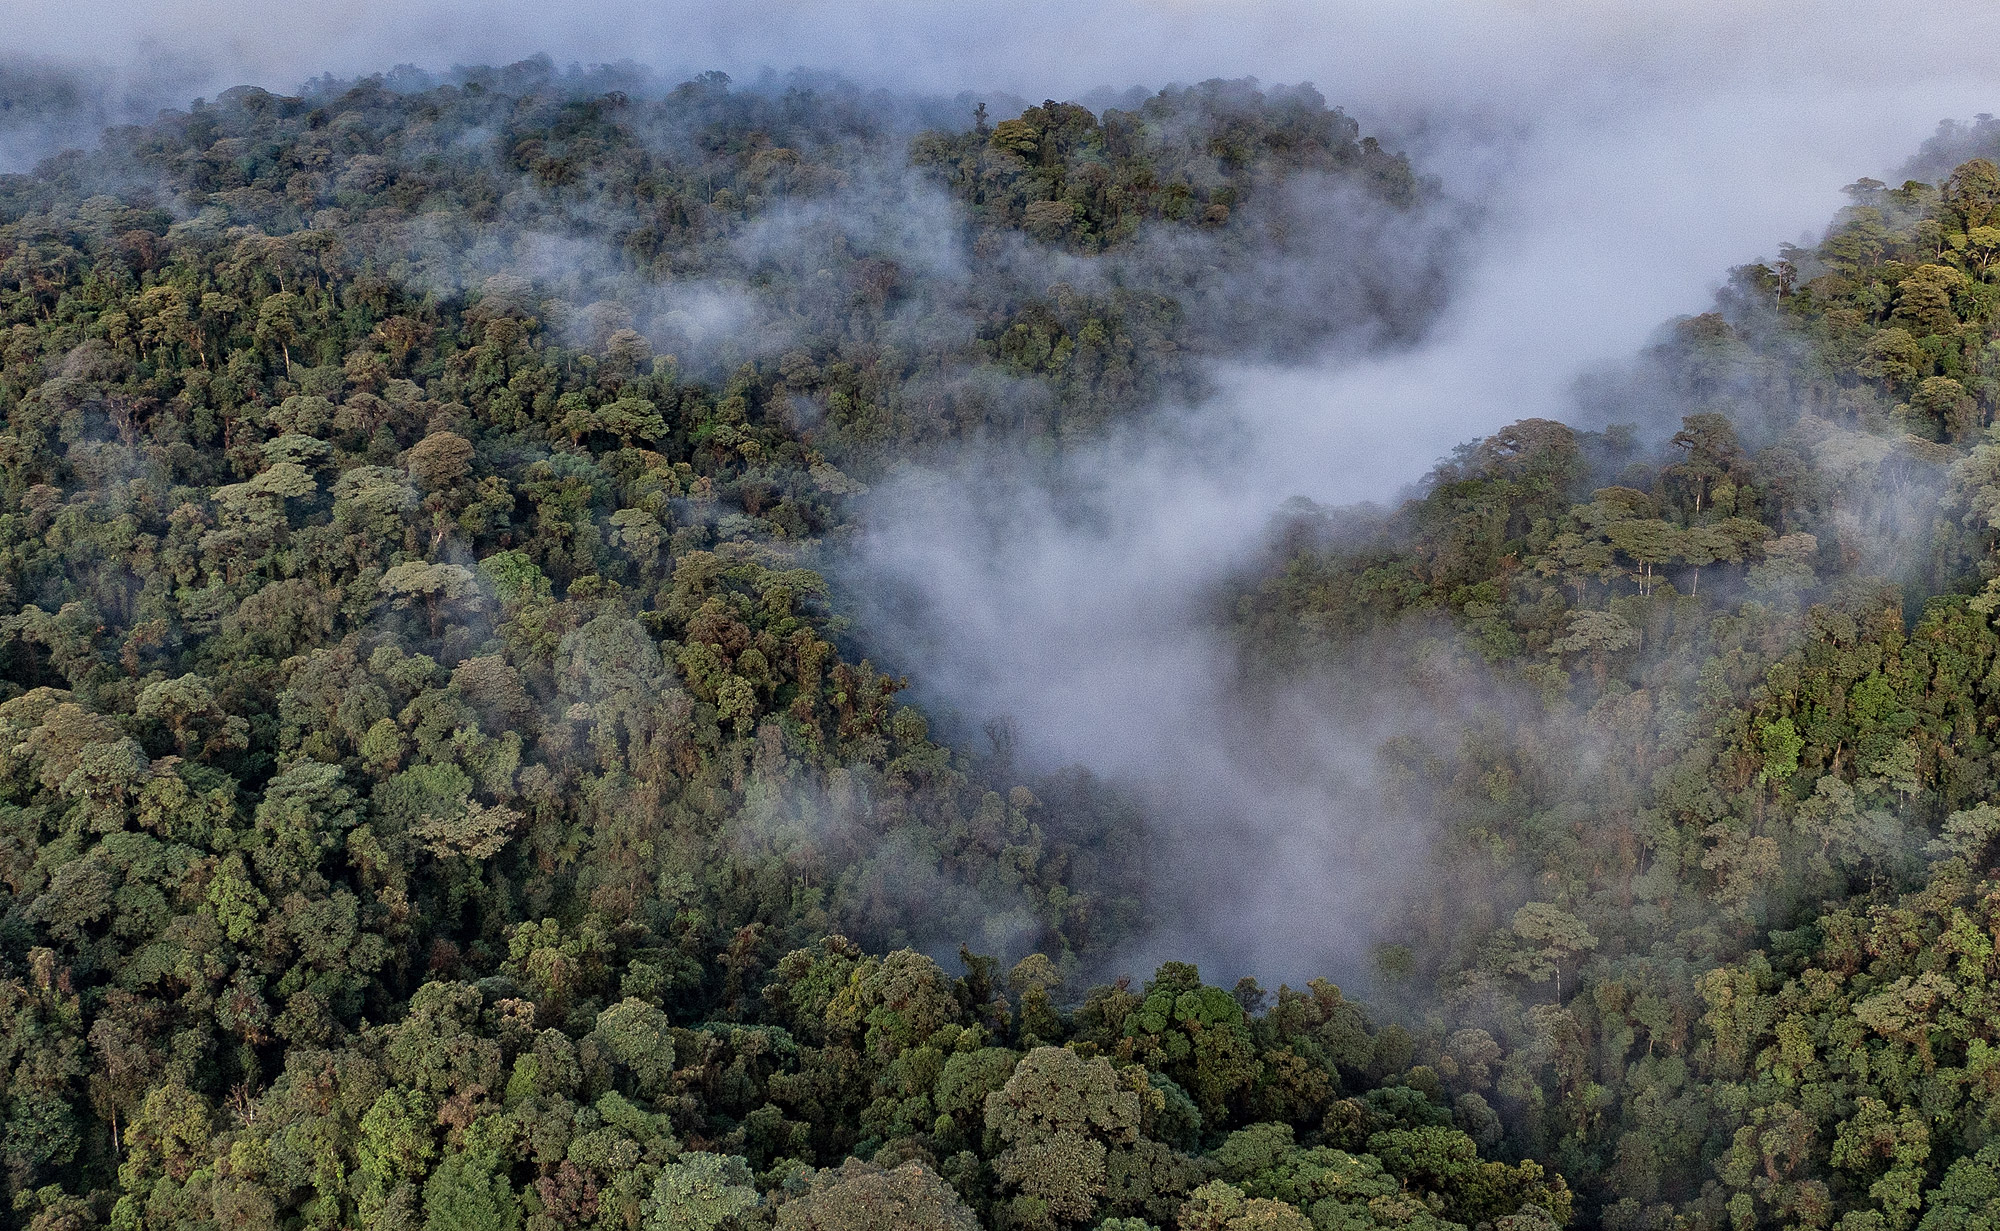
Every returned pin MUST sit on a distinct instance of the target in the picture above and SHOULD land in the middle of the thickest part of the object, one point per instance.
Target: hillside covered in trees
(439, 788)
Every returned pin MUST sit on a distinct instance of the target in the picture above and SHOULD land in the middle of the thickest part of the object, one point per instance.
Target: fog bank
(1603, 168)
(1074, 597)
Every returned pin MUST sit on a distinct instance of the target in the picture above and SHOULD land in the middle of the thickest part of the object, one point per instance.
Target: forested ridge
(439, 788)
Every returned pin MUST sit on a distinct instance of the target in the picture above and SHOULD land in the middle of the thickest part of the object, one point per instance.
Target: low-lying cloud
(1073, 597)
(1603, 166)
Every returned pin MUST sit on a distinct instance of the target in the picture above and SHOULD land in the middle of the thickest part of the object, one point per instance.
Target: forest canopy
(441, 788)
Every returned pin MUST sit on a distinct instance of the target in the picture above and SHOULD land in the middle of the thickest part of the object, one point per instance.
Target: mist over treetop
(580, 649)
(423, 483)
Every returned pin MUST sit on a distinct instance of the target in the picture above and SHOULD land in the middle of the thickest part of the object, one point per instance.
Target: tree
(169, 1136)
(1894, 357)
(278, 321)
(469, 1192)
(1195, 1034)
(1648, 542)
(474, 830)
(437, 587)
(1057, 1116)
(187, 708)
(1598, 634)
(1577, 559)
(1713, 454)
(1924, 299)
(1787, 566)
(167, 319)
(1444, 1162)
(1972, 193)
(1220, 1206)
(701, 1192)
(1552, 936)
(1967, 1198)
(639, 532)
(860, 1196)
(1982, 244)
(1701, 546)
(1944, 409)
(394, 1148)
(637, 1036)
(440, 461)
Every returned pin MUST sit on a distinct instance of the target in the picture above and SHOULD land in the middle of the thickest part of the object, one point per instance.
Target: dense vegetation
(1736, 964)
(439, 790)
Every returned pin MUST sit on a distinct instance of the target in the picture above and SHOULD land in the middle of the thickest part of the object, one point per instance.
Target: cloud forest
(581, 649)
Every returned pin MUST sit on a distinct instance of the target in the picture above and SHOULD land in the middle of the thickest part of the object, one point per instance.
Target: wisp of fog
(1599, 172)
(1076, 598)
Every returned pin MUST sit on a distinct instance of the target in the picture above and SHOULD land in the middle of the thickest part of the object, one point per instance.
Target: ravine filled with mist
(1121, 617)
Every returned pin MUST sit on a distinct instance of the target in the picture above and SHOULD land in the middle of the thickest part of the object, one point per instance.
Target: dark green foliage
(438, 788)
(1714, 937)
(435, 779)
